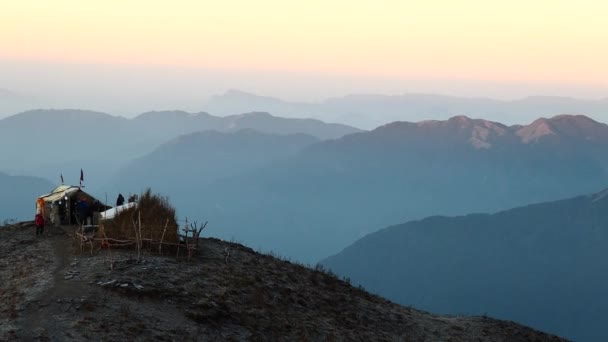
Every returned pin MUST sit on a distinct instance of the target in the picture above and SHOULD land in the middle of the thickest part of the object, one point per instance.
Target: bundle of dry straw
(151, 221)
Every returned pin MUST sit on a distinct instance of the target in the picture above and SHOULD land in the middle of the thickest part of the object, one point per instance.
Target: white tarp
(59, 193)
(111, 213)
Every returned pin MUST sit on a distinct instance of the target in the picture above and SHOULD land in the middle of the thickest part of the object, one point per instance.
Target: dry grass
(154, 213)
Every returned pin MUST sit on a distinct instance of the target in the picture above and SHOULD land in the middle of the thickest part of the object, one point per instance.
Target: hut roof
(62, 191)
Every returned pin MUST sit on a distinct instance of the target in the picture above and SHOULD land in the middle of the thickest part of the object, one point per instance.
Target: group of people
(82, 211)
(120, 200)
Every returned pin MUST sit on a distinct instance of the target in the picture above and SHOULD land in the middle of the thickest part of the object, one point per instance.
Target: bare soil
(51, 291)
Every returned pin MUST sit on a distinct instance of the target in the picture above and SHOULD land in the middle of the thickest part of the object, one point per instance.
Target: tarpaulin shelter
(113, 212)
(68, 204)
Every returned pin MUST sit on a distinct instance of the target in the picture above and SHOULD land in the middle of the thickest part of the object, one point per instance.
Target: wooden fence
(188, 241)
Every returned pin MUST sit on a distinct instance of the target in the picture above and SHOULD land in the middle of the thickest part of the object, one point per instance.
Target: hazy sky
(137, 54)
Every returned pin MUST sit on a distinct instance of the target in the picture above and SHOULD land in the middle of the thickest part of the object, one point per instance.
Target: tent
(68, 204)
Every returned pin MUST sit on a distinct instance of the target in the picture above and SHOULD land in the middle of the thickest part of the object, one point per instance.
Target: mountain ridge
(396, 173)
(372, 110)
(204, 157)
(60, 140)
(566, 126)
(218, 122)
(510, 264)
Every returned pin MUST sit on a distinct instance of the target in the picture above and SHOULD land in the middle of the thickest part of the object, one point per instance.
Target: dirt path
(48, 315)
(26, 268)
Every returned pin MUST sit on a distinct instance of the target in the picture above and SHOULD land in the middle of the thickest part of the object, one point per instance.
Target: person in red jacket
(39, 220)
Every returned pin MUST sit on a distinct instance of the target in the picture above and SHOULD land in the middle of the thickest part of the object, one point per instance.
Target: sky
(143, 54)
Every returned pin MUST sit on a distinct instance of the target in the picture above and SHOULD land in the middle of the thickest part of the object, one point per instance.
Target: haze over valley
(306, 189)
(314, 171)
(363, 110)
(272, 173)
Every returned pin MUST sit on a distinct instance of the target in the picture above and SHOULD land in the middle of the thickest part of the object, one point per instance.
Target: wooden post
(163, 237)
(68, 210)
(139, 238)
(105, 237)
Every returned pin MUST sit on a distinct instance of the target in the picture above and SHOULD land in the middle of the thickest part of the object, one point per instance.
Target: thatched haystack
(152, 212)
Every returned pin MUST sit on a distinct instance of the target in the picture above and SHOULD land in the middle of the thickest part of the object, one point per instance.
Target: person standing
(39, 221)
(120, 200)
(83, 209)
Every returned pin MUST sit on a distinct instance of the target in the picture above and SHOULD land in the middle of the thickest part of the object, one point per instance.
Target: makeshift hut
(68, 205)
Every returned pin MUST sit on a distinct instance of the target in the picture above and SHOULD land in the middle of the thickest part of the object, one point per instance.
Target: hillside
(65, 140)
(227, 293)
(334, 192)
(195, 160)
(178, 122)
(18, 196)
(542, 265)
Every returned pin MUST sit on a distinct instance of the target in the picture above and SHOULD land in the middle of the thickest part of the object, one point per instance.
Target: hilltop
(229, 292)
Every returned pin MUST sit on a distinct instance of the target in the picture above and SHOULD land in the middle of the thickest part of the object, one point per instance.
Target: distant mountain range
(177, 122)
(305, 198)
(306, 189)
(317, 202)
(192, 161)
(18, 196)
(369, 111)
(48, 142)
(542, 265)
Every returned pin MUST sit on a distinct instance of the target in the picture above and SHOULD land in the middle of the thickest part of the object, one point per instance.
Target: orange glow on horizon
(473, 39)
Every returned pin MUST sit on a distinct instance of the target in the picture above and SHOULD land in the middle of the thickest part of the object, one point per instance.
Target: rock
(107, 283)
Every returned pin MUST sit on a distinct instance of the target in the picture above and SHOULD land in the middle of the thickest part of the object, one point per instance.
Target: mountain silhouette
(542, 265)
(178, 122)
(195, 160)
(371, 110)
(60, 140)
(317, 202)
